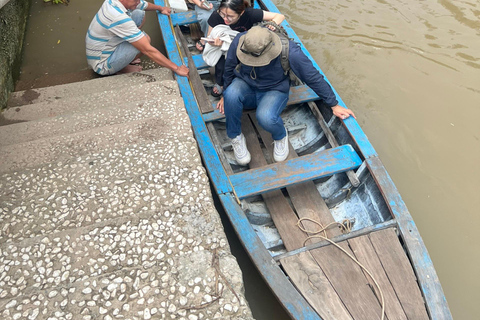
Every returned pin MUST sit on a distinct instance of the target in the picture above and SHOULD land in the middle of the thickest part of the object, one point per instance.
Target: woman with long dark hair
(240, 16)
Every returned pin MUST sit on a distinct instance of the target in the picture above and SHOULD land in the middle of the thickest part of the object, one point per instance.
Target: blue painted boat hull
(373, 205)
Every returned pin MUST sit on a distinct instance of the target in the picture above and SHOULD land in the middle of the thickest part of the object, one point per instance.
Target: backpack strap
(284, 55)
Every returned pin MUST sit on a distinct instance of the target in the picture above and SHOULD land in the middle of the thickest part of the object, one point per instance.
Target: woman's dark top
(249, 17)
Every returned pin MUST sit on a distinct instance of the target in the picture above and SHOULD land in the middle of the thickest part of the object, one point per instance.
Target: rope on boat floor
(345, 226)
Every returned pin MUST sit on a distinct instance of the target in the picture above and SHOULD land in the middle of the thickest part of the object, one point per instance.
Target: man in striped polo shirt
(114, 39)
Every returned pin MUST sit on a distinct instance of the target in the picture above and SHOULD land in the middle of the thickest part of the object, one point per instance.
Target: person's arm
(231, 63)
(304, 69)
(144, 46)
(273, 16)
(163, 10)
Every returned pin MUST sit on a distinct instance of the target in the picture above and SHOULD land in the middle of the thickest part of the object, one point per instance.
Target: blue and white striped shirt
(111, 26)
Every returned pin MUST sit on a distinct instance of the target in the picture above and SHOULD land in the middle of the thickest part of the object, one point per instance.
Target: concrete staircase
(105, 207)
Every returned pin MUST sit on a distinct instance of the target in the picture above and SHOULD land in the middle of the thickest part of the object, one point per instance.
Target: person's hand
(182, 71)
(220, 106)
(342, 113)
(271, 28)
(217, 42)
(166, 11)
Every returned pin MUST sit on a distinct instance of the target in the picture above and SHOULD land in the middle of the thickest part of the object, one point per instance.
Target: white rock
(11, 304)
(52, 293)
(87, 290)
(146, 314)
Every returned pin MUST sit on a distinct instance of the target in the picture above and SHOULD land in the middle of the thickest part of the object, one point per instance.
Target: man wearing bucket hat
(260, 83)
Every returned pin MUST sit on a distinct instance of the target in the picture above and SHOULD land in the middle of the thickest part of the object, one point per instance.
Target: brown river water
(410, 70)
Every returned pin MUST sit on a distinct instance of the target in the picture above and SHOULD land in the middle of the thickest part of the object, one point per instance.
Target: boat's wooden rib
(308, 167)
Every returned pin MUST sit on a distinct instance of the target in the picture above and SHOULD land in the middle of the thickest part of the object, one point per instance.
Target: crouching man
(114, 42)
(259, 82)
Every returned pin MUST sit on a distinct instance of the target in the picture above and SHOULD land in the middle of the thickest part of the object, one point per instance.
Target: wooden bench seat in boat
(286, 173)
(298, 94)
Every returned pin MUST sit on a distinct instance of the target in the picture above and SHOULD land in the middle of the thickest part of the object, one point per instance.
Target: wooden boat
(333, 174)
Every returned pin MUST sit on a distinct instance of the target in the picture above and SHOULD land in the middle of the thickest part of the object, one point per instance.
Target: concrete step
(50, 94)
(139, 239)
(89, 119)
(60, 148)
(67, 105)
(179, 287)
(120, 182)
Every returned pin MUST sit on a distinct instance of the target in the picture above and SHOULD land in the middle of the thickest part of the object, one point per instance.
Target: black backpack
(280, 31)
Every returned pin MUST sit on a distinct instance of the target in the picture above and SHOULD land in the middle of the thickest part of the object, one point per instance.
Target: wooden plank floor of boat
(335, 285)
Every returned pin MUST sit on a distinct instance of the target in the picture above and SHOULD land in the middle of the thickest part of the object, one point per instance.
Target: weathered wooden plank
(184, 18)
(429, 283)
(199, 90)
(286, 293)
(399, 272)
(308, 167)
(305, 273)
(349, 281)
(282, 214)
(366, 255)
(297, 95)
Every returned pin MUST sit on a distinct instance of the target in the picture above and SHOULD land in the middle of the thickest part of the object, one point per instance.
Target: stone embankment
(106, 210)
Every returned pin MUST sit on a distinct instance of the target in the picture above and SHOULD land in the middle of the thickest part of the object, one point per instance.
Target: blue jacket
(272, 77)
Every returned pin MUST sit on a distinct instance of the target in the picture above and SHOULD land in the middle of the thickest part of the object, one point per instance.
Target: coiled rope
(346, 226)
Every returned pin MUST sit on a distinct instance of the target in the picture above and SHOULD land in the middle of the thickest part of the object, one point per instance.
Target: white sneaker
(240, 150)
(280, 149)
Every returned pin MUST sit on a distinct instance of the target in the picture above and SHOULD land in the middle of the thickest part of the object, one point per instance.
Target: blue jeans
(203, 15)
(125, 52)
(269, 104)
